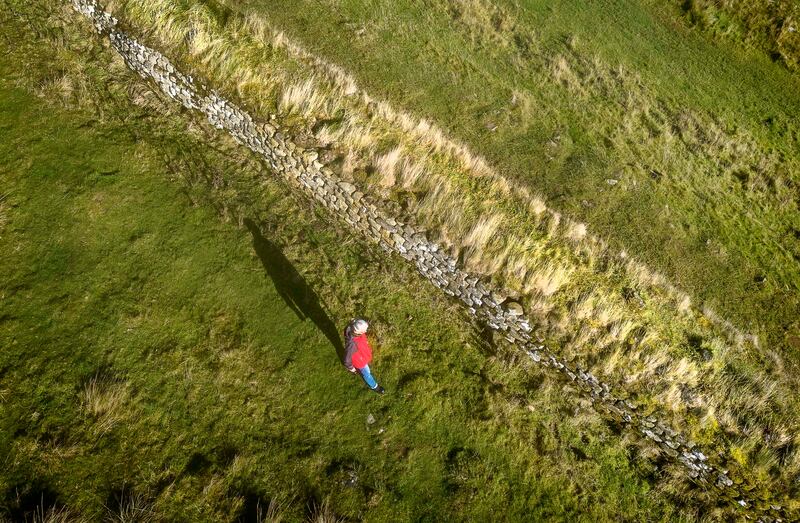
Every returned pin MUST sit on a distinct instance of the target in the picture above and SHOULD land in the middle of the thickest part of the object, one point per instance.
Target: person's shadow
(293, 288)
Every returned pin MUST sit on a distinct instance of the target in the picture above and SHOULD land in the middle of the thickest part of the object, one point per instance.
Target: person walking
(358, 353)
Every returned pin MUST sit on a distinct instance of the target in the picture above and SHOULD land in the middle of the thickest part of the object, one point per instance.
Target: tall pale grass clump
(483, 230)
(537, 206)
(101, 396)
(104, 400)
(387, 166)
(133, 508)
(4, 212)
(576, 231)
(620, 330)
(548, 278)
(55, 514)
(323, 513)
(411, 172)
(269, 514)
(303, 98)
(63, 87)
(562, 71)
(685, 304)
(476, 242)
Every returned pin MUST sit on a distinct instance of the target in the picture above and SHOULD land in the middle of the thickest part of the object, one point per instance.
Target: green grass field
(677, 360)
(169, 313)
(166, 317)
(701, 137)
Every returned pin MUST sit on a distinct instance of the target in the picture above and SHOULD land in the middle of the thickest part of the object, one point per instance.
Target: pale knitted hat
(360, 326)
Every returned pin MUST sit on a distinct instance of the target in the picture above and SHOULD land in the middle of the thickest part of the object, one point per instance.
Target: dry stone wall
(304, 171)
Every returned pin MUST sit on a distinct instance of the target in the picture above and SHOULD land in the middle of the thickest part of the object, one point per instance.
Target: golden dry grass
(56, 514)
(387, 166)
(104, 400)
(323, 513)
(302, 98)
(133, 508)
(4, 212)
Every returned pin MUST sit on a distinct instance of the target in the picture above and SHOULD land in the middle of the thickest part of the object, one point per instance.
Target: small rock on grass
(352, 479)
(514, 309)
(370, 419)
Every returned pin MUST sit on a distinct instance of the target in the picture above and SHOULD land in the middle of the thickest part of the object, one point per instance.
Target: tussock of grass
(301, 99)
(411, 172)
(132, 508)
(387, 166)
(322, 513)
(197, 329)
(55, 514)
(269, 514)
(101, 396)
(482, 232)
(547, 278)
(104, 400)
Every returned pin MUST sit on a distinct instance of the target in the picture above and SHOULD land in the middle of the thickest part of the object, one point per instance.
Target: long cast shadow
(293, 288)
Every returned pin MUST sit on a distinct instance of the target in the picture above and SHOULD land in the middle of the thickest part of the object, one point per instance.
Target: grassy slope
(767, 25)
(711, 233)
(213, 393)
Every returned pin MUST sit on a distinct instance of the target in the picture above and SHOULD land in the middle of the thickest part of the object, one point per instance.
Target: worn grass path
(147, 354)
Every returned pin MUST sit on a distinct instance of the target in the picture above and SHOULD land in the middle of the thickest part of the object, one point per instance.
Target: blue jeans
(371, 383)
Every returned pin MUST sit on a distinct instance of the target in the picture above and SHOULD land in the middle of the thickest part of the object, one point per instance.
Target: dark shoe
(378, 389)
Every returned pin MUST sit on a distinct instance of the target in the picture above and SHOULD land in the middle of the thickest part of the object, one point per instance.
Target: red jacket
(363, 354)
(357, 352)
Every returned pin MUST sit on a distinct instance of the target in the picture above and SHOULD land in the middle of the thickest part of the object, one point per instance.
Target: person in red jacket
(358, 353)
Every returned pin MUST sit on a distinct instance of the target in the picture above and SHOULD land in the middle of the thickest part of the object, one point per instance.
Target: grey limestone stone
(514, 309)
